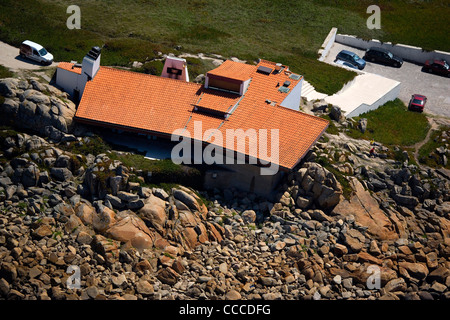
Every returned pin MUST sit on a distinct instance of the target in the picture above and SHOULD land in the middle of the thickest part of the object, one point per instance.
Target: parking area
(413, 80)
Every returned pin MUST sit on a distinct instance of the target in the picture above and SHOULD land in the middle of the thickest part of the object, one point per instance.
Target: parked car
(345, 63)
(383, 56)
(36, 52)
(417, 102)
(437, 66)
(351, 58)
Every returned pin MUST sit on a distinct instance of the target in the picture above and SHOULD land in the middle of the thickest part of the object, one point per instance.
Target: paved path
(9, 57)
(413, 80)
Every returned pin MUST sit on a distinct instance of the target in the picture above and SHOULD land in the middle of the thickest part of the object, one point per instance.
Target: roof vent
(278, 67)
(264, 70)
(284, 89)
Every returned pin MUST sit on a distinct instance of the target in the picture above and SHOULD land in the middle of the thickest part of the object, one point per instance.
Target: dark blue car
(351, 58)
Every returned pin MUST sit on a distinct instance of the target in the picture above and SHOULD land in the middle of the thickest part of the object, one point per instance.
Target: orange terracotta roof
(155, 104)
(137, 100)
(69, 67)
(217, 100)
(233, 70)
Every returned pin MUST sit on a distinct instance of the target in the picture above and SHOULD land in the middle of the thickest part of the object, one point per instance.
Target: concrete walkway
(367, 91)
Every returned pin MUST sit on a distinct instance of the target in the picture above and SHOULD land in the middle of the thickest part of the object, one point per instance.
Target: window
(43, 52)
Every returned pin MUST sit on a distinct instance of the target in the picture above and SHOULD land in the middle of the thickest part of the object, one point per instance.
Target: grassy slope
(271, 29)
(428, 154)
(393, 124)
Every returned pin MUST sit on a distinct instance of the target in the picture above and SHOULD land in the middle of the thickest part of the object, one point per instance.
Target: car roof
(378, 49)
(439, 61)
(33, 44)
(348, 52)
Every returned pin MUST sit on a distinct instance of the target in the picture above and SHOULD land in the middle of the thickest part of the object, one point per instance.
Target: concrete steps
(310, 93)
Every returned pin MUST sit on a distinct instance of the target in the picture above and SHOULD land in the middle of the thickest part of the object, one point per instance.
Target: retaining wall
(408, 53)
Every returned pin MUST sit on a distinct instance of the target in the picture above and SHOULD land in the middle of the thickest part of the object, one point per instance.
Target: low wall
(389, 96)
(327, 44)
(409, 53)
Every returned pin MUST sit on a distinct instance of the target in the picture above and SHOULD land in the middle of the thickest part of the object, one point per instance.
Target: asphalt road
(413, 80)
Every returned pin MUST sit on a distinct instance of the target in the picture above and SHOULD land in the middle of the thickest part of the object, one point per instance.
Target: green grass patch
(157, 172)
(427, 153)
(393, 124)
(198, 66)
(152, 67)
(94, 145)
(332, 129)
(5, 73)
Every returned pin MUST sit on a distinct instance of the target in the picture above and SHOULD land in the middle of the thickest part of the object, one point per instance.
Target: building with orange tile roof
(236, 97)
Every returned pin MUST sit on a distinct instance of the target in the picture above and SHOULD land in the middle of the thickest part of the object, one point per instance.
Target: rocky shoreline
(356, 228)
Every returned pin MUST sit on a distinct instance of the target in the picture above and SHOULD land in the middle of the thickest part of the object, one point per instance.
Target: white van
(36, 52)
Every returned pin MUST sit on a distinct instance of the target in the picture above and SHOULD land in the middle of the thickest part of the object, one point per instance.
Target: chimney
(175, 68)
(91, 63)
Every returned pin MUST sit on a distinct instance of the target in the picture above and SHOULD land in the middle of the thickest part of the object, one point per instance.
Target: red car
(417, 102)
(437, 66)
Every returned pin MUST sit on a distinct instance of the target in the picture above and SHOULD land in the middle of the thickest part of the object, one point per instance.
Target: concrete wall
(409, 53)
(70, 81)
(245, 177)
(389, 96)
(67, 80)
(327, 44)
(292, 101)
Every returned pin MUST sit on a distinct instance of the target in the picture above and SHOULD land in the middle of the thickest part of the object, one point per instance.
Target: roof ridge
(150, 75)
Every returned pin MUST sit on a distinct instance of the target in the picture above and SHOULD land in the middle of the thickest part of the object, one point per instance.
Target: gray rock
(30, 176)
(336, 113)
(248, 216)
(404, 200)
(116, 184)
(63, 161)
(116, 202)
(61, 174)
(319, 215)
(186, 198)
(8, 86)
(53, 133)
(303, 202)
(135, 205)
(4, 287)
(10, 107)
(5, 181)
(362, 125)
(127, 196)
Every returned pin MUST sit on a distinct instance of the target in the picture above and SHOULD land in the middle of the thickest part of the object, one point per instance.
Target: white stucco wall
(178, 63)
(70, 81)
(327, 44)
(292, 101)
